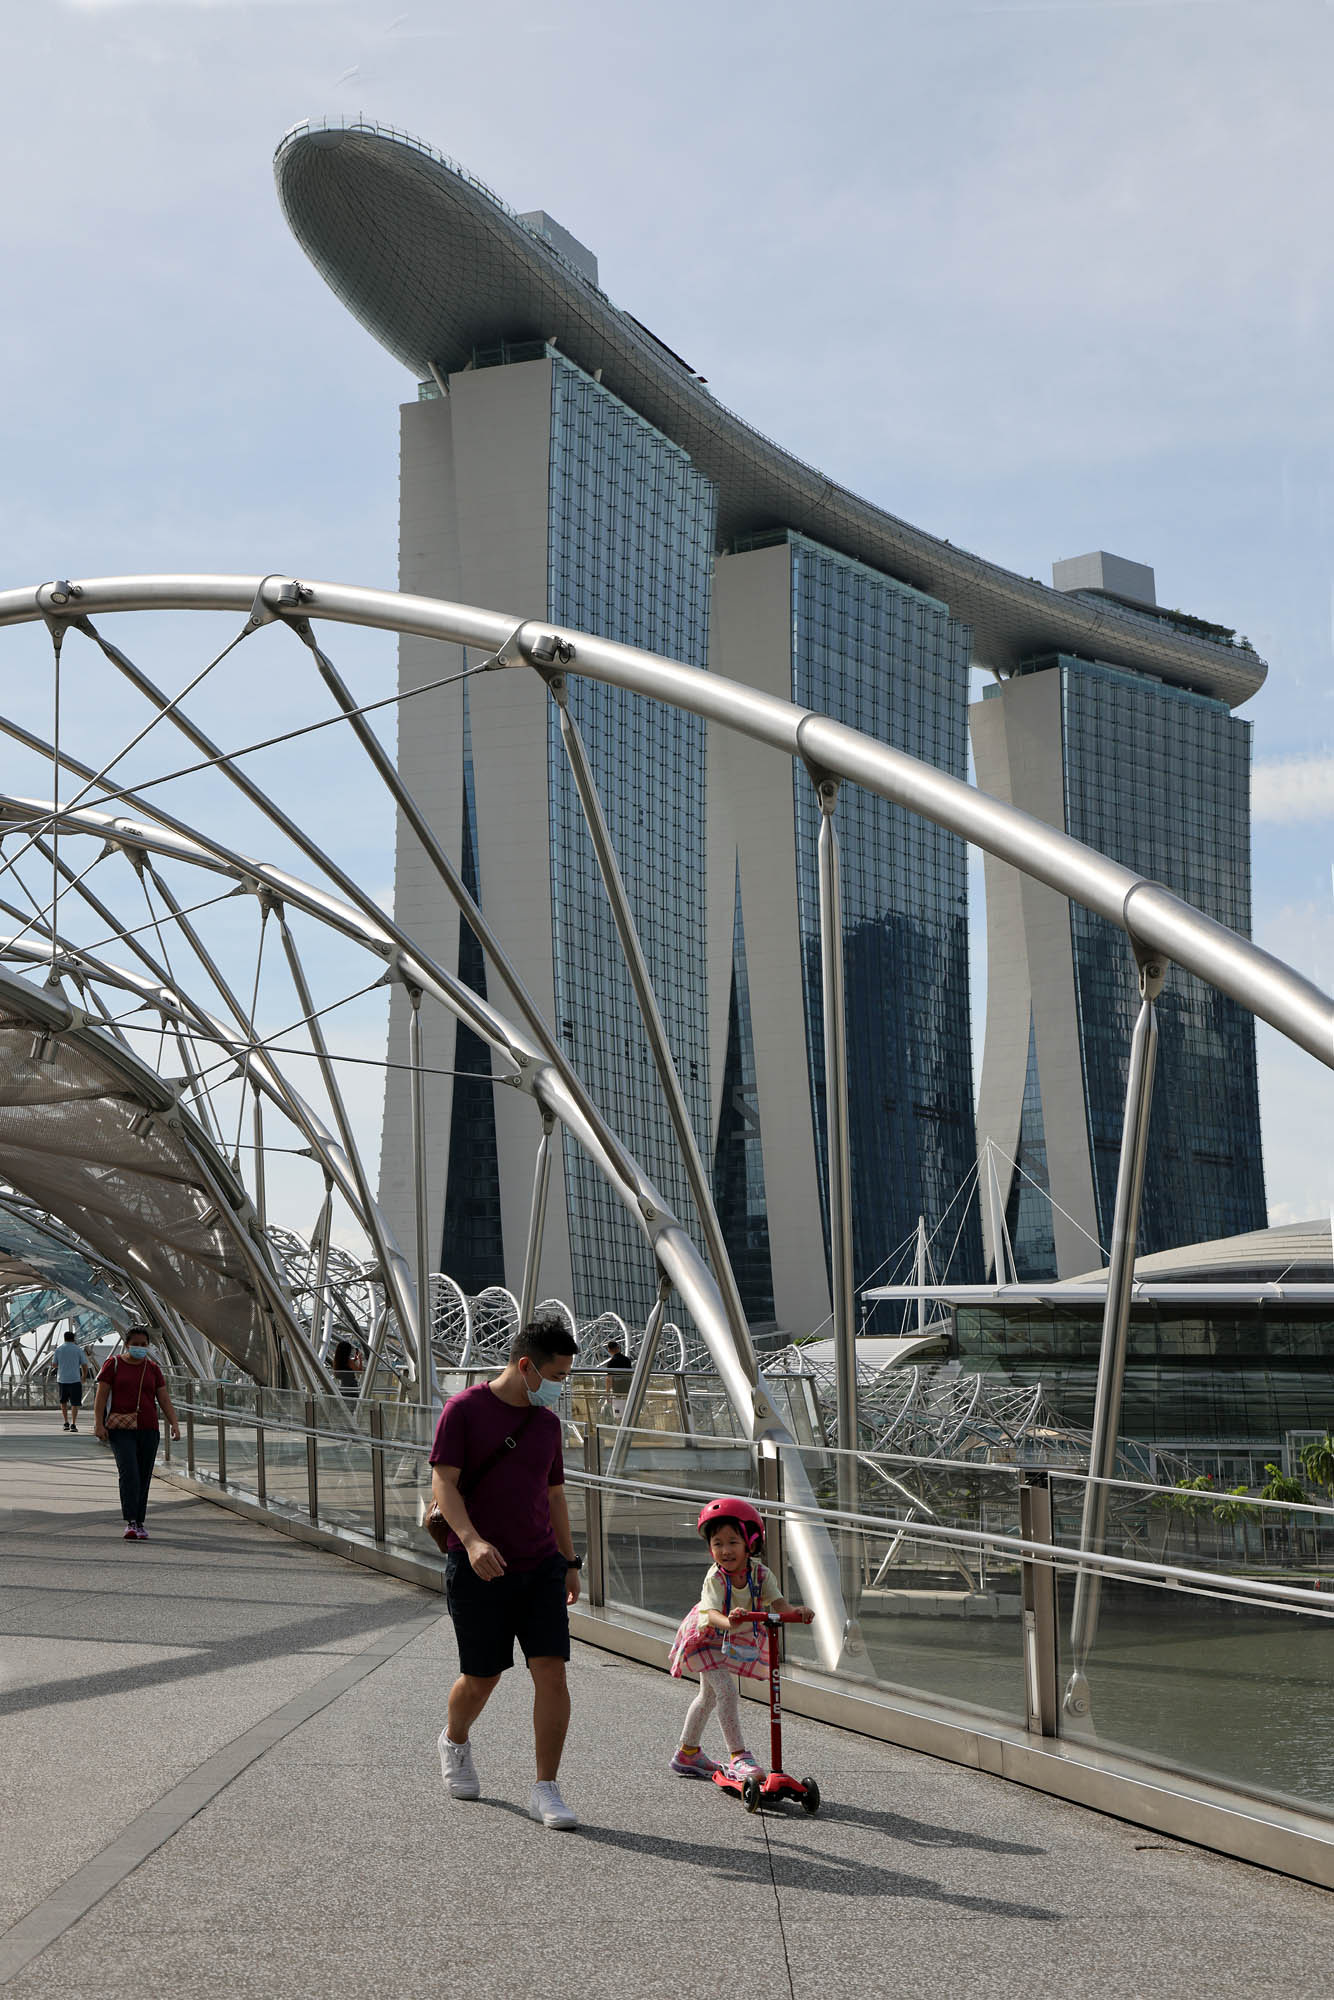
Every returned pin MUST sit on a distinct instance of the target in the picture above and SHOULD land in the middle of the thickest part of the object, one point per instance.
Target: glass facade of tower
(631, 539)
(886, 659)
(738, 1159)
(1159, 779)
(1028, 1212)
(472, 1250)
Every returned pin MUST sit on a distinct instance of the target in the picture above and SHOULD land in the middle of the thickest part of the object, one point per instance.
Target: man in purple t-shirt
(511, 1572)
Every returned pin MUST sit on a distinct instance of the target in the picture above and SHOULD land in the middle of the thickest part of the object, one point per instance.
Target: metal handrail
(1225, 1585)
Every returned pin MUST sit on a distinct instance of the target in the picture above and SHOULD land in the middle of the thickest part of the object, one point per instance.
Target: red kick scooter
(771, 1790)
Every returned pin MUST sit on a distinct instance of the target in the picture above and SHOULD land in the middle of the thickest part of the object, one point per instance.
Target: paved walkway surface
(218, 1778)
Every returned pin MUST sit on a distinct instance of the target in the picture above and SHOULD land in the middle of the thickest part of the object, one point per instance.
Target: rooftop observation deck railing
(1212, 1699)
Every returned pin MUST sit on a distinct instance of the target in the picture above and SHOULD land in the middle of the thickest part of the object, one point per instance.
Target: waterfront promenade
(219, 1778)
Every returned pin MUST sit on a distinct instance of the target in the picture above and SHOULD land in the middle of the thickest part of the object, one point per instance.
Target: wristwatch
(574, 1562)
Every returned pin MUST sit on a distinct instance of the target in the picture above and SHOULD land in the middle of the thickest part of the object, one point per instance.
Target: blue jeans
(134, 1453)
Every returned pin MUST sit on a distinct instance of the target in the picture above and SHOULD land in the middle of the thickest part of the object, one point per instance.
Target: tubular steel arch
(149, 838)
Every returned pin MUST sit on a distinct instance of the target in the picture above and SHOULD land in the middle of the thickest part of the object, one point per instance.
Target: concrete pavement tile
(514, 1951)
(1076, 1959)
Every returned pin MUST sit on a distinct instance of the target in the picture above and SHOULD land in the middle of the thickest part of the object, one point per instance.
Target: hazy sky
(1040, 275)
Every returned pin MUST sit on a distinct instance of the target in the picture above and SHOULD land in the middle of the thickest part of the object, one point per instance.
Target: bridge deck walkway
(219, 1779)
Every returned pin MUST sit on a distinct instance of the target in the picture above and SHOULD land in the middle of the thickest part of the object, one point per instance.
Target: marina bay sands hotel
(560, 461)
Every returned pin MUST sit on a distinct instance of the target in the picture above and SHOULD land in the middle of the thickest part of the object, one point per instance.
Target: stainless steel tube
(838, 1157)
(647, 1000)
(425, 1369)
(640, 1378)
(537, 1219)
(1115, 1323)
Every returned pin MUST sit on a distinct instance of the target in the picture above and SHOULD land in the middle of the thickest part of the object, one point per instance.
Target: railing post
(377, 1471)
(219, 1393)
(771, 1489)
(1039, 1608)
(261, 1470)
(1115, 1319)
(595, 1552)
(190, 1442)
(312, 1463)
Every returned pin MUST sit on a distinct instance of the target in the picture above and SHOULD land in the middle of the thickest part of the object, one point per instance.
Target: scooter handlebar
(803, 1617)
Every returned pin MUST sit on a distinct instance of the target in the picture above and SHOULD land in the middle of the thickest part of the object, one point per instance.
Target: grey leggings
(717, 1689)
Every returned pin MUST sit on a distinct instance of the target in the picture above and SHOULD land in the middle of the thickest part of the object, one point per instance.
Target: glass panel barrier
(1239, 1694)
(285, 1468)
(1203, 1526)
(939, 1618)
(655, 1560)
(343, 1474)
(206, 1446)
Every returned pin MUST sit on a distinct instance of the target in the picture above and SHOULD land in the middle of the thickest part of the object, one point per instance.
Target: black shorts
(72, 1392)
(527, 1605)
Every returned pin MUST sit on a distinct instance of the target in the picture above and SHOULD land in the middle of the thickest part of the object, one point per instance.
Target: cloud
(1293, 788)
(188, 6)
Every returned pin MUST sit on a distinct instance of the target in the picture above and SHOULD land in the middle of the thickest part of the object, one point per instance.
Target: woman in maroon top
(130, 1389)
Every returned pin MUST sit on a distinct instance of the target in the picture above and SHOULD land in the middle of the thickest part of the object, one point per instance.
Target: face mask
(546, 1395)
(137, 1353)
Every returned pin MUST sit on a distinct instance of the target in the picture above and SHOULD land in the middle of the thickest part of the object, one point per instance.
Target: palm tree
(1280, 1487)
(1317, 1461)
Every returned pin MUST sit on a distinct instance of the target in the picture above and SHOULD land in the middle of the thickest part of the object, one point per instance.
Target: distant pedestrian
(347, 1366)
(511, 1571)
(619, 1369)
(72, 1371)
(130, 1390)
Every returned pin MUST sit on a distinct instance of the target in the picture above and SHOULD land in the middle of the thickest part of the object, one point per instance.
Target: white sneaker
(545, 1803)
(457, 1768)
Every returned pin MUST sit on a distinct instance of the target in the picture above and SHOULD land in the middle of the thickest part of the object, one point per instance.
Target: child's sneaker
(743, 1766)
(693, 1765)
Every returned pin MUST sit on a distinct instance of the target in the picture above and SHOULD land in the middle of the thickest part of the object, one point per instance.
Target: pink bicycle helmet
(742, 1517)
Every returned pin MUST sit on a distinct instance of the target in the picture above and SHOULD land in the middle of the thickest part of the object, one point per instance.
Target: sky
(1043, 276)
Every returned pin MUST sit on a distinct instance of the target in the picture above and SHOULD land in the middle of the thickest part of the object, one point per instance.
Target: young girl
(718, 1643)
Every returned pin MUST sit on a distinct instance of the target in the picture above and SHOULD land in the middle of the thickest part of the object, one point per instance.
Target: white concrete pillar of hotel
(1017, 753)
(752, 817)
(475, 527)
(430, 760)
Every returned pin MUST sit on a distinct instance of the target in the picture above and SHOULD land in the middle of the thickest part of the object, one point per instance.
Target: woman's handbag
(124, 1420)
(435, 1524)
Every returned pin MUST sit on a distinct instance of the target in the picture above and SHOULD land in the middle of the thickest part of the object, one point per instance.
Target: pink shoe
(695, 1766)
(130, 1535)
(743, 1766)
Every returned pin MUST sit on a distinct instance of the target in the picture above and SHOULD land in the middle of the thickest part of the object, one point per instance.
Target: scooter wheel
(810, 1795)
(750, 1793)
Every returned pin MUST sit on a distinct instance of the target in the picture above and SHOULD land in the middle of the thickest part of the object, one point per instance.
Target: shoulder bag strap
(493, 1458)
